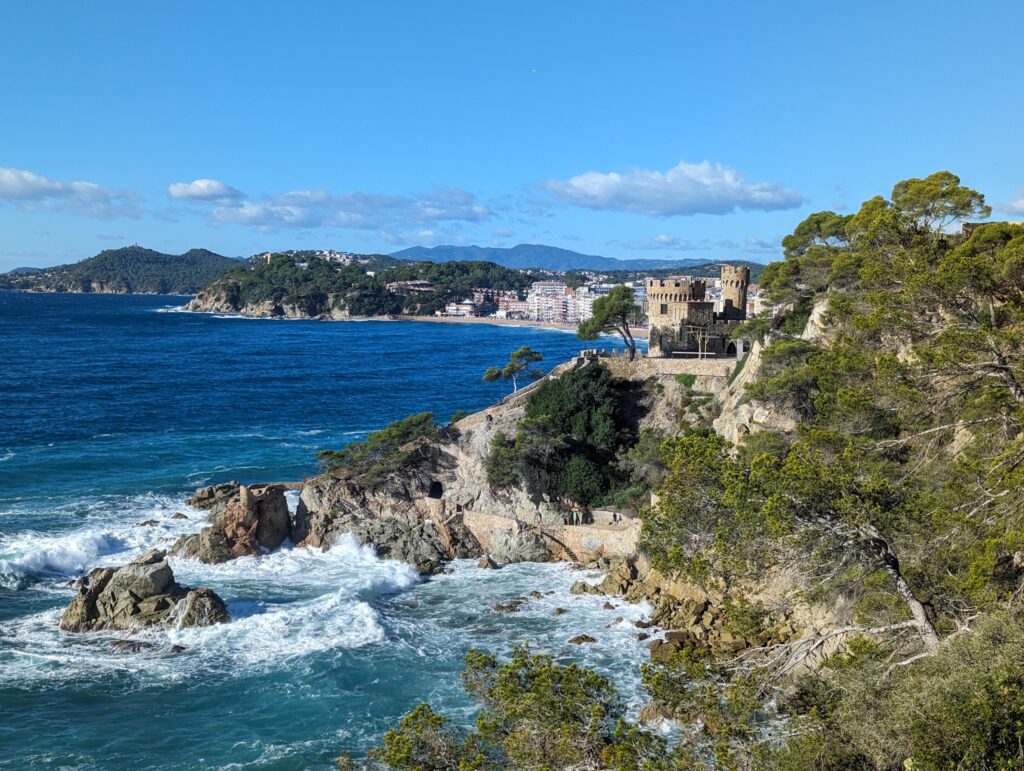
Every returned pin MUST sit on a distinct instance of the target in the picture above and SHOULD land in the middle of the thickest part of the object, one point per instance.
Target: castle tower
(735, 280)
(672, 305)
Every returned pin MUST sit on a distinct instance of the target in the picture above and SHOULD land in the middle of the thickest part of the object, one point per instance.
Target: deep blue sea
(112, 410)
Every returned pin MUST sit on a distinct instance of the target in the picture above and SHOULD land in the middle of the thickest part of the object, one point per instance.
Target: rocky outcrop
(214, 498)
(225, 297)
(402, 517)
(706, 620)
(140, 594)
(523, 545)
(817, 329)
(418, 514)
(246, 521)
(739, 415)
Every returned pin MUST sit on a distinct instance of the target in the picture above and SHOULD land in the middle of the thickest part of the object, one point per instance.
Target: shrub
(686, 380)
(796, 320)
(567, 443)
(501, 462)
(382, 453)
(534, 714)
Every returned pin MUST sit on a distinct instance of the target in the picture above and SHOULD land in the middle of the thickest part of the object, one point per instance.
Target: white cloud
(1015, 206)
(203, 190)
(752, 244)
(677, 244)
(686, 188)
(35, 192)
(308, 209)
(669, 243)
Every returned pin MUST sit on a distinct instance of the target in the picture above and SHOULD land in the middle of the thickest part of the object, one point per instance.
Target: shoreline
(637, 332)
(640, 333)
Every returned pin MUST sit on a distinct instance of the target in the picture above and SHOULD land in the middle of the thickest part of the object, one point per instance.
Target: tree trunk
(891, 565)
(867, 539)
(627, 338)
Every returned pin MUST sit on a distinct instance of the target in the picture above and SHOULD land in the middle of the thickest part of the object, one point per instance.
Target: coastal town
(556, 301)
(557, 297)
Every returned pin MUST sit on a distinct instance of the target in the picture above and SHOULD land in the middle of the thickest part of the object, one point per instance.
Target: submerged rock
(140, 594)
(582, 587)
(130, 646)
(512, 606)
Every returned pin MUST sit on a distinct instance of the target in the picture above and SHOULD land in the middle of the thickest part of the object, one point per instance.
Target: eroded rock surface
(246, 521)
(140, 594)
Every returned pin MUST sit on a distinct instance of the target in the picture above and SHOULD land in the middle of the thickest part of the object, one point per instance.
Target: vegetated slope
(297, 285)
(890, 498)
(897, 494)
(130, 270)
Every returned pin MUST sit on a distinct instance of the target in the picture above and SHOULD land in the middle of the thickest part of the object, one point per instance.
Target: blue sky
(659, 129)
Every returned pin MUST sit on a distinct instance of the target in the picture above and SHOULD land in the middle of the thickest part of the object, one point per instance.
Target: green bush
(534, 713)
(580, 479)
(382, 453)
(566, 445)
(795, 322)
(962, 707)
(501, 463)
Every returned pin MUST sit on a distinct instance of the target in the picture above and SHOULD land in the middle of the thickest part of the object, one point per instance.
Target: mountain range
(543, 257)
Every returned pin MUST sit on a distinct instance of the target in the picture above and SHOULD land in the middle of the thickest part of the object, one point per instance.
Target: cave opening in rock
(436, 491)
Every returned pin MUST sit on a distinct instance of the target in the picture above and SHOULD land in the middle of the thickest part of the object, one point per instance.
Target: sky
(654, 130)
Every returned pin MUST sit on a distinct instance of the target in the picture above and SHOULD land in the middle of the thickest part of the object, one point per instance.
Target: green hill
(300, 284)
(130, 270)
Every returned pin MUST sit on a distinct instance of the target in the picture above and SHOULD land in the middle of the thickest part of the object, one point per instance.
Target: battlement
(735, 275)
(677, 289)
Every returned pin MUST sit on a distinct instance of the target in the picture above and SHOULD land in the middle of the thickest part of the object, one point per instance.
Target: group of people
(578, 517)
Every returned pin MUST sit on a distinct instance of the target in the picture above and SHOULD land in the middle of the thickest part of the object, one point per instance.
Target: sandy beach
(637, 332)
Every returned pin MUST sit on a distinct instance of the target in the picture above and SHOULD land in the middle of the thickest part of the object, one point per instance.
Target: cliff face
(224, 297)
(440, 504)
(426, 513)
(740, 416)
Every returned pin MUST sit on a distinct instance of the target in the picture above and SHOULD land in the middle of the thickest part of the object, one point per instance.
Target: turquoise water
(112, 409)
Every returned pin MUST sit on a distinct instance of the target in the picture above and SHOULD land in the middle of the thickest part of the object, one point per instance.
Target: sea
(114, 408)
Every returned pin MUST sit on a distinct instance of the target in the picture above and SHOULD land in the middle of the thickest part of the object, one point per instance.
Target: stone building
(735, 280)
(682, 319)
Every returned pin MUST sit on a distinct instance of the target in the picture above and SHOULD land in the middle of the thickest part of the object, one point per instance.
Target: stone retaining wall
(585, 542)
(642, 367)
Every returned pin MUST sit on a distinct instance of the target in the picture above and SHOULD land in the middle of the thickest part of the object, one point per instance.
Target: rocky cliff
(224, 297)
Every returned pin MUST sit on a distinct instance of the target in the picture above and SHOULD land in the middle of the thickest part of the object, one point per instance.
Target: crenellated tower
(735, 280)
